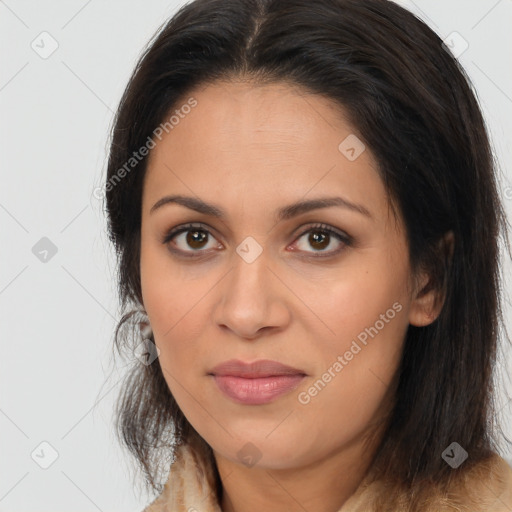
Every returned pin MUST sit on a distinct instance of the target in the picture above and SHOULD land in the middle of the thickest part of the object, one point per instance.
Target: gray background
(58, 383)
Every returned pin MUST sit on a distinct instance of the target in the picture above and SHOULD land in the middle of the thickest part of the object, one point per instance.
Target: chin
(259, 452)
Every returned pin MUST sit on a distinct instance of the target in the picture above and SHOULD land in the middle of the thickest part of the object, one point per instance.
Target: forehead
(241, 112)
(261, 141)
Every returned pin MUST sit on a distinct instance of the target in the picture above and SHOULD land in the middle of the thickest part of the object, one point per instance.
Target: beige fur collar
(191, 488)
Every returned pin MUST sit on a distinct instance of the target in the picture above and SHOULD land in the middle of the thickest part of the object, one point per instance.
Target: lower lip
(257, 391)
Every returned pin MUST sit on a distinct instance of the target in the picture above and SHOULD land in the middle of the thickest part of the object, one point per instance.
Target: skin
(250, 150)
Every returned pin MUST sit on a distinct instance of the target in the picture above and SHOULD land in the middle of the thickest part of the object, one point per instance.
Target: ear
(428, 299)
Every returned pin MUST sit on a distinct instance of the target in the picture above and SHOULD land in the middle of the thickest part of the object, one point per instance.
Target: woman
(303, 201)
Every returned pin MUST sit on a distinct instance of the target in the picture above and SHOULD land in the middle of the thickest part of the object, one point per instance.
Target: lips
(257, 369)
(255, 383)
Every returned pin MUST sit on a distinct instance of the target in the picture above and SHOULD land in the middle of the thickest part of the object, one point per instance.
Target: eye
(189, 236)
(321, 237)
(197, 236)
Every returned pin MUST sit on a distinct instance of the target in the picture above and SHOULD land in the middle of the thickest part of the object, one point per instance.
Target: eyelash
(342, 237)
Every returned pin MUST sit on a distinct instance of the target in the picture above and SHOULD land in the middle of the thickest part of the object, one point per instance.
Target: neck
(323, 485)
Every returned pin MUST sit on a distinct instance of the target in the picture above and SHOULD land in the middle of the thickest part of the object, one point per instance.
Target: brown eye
(189, 239)
(320, 238)
(192, 240)
(196, 239)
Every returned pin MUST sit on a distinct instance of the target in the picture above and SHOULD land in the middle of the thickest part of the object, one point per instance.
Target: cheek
(357, 301)
(358, 367)
(367, 314)
(175, 306)
(165, 298)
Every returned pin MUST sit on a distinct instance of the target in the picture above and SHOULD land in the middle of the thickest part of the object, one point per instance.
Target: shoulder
(487, 486)
(190, 485)
(484, 487)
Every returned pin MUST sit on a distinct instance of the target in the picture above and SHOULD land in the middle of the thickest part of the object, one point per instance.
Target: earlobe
(423, 310)
(428, 297)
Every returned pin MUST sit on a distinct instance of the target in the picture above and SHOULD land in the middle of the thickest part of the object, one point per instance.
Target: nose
(254, 300)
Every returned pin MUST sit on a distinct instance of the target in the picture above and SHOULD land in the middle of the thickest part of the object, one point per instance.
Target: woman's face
(264, 282)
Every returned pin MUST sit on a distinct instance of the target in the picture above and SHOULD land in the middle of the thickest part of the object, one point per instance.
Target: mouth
(258, 369)
(256, 383)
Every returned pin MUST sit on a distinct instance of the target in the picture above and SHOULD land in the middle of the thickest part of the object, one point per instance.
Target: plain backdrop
(63, 68)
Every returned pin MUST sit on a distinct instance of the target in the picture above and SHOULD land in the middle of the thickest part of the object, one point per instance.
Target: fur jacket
(191, 487)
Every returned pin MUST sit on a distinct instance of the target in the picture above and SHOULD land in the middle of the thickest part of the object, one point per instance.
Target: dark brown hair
(413, 106)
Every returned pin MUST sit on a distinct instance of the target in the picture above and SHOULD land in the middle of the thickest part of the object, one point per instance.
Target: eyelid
(183, 228)
(341, 236)
(320, 226)
(171, 233)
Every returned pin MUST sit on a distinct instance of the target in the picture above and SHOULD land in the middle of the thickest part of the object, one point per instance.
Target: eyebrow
(284, 213)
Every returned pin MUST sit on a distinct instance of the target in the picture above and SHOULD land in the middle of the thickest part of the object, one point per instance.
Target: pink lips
(256, 383)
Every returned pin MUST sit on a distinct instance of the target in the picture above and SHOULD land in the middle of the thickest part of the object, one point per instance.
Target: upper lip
(261, 368)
